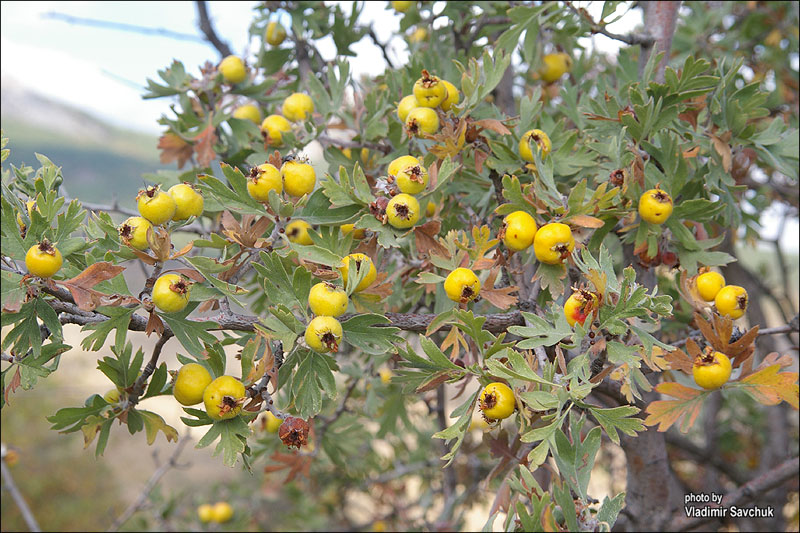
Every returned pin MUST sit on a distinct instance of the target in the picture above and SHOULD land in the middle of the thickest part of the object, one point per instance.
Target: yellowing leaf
(769, 386)
(665, 413)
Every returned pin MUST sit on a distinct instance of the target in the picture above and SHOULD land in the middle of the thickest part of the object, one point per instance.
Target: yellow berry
(422, 120)
(323, 334)
(655, 206)
(155, 205)
(579, 306)
(188, 201)
(171, 293)
(223, 398)
(401, 163)
(297, 232)
(191, 381)
(222, 512)
(401, 6)
(429, 90)
(248, 112)
(361, 261)
(275, 33)
(358, 233)
(43, 259)
(298, 178)
(418, 35)
(404, 107)
(430, 209)
(452, 96)
(325, 299)
(711, 371)
(133, 232)
(205, 512)
(534, 137)
(462, 285)
(297, 106)
(412, 179)
(731, 301)
(402, 211)
(553, 242)
(265, 178)
(709, 284)
(274, 126)
(519, 230)
(497, 401)
(386, 375)
(233, 70)
(272, 422)
(554, 66)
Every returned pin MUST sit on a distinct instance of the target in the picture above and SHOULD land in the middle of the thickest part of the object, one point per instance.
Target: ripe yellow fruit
(519, 229)
(404, 107)
(358, 233)
(43, 259)
(223, 398)
(248, 112)
(497, 401)
(711, 371)
(655, 206)
(326, 299)
(452, 96)
(274, 126)
(188, 201)
(537, 137)
(297, 107)
(554, 66)
(418, 35)
(430, 209)
(553, 243)
(412, 179)
(400, 164)
(402, 211)
(422, 120)
(222, 512)
(30, 205)
(272, 423)
(191, 381)
(155, 205)
(171, 293)
(731, 301)
(263, 179)
(579, 306)
(709, 284)
(205, 512)
(401, 6)
(323, 334)
(297, 232)
(462, 285)
(429, 90)
(275, 33)
(298, 178)
(133, 232)
(362, 261)
(233, 70)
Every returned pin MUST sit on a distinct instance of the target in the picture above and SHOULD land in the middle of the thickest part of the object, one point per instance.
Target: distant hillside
(99, 161)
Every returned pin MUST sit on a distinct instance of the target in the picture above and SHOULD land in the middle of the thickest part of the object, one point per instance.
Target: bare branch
(208, 30)
(382, 46)
(108, 24)
(594, 27)
(8, 484)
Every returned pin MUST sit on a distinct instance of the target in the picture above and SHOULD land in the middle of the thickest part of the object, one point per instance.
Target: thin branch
(382, 46)
(706, 457)
(594, 27)
(150, 485)
(108, 24)
(793, 325)
(8, 484)
(138, 386)
(208, 30)
(750, 491)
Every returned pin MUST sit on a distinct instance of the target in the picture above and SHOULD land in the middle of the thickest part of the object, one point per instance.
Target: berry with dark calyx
(294, 432)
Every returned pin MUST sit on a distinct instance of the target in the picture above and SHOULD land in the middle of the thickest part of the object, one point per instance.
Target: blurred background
(72, 79)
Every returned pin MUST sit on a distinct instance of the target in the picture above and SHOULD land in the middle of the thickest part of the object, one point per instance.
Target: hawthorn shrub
(546, 236)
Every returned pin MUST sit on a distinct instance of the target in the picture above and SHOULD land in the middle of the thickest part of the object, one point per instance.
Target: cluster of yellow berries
(403, 210)
(219, 512)
(222, 397)
(730, 300)
(155, 206)
(296, 107)
(297, 177)
(416, 110)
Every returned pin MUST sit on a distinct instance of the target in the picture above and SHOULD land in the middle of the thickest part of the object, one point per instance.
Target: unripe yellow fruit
(223, 398)
(275, 33)
(554, 66)
(205, 512)
(248, 112)
(133, 232)
(362, 261)
(731, 301)
(412, 179)
(709, 284)
(265, 178)
(422, 120)
(43, 260)
(452, 96)
(655, 206)
(298, 178)
(297, 232)
(274, 126)
(429, 90)
(712, 371)
(497, 401)
(297, 106)
(553, 242)
(273, 423)
(323, 334)
(430, 209)
(155, 205)
(358, 233)
(519, 230)
(188, 201)
(190, 383)
(402, 211)
(222, 512)
(462, 285)
(406, 104)
(401, 6)
(171, 293)
(233, 70)
(401, 163)
(536, 138)
(325, 299)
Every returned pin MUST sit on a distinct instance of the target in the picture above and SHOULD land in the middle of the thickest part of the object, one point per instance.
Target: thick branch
(746, 493)
(208, 30)
(708, 457)
(660, 19)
